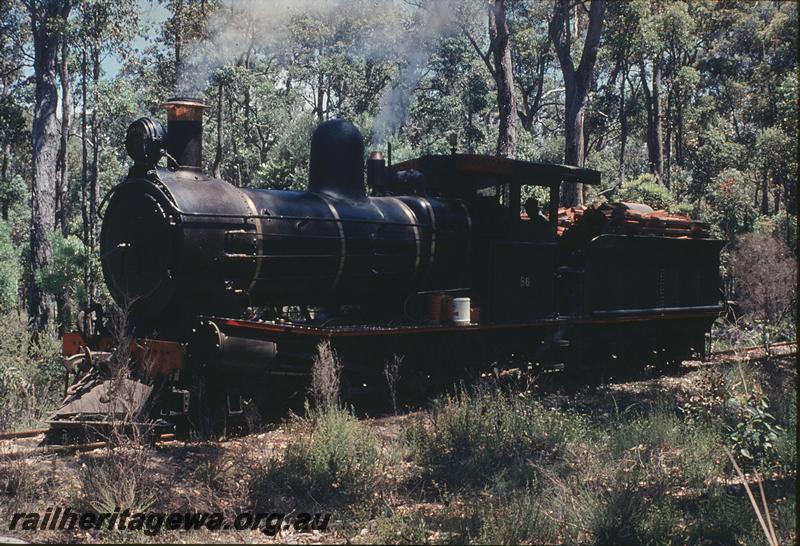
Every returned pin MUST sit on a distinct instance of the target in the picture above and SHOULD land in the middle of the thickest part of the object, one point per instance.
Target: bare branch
(485, 57)
(592, 43)
(557, 31)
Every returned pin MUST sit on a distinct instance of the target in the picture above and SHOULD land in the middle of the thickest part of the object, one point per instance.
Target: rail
(61, 450)
(738, 354)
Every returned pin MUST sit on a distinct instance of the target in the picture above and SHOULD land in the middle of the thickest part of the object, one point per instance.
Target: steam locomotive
(230, 290)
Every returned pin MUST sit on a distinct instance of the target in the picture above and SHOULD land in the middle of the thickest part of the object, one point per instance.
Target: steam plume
(255, 27)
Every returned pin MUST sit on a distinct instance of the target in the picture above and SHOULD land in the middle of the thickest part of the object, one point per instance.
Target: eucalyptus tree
(577, 79)
(15, 135)
(324, 61)
(48, 20)
(745, 56)
(538, 87)
(455, 97)
(620, 92)
(104, 27)
(496, 56)
(186, 24)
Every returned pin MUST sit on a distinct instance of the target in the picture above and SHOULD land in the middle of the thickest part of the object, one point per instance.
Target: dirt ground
(188, 474)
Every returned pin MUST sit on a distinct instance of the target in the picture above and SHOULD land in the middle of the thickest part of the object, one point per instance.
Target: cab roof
(516, 171)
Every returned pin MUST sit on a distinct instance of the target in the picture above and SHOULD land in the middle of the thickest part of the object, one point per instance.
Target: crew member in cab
(536, 227)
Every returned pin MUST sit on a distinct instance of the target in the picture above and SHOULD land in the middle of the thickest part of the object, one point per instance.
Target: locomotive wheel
(206, 406)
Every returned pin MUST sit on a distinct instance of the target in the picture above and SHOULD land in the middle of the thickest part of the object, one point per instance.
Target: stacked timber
(629, 219)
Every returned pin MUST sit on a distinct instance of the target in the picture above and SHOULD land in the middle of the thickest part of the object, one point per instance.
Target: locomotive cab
(515, 246)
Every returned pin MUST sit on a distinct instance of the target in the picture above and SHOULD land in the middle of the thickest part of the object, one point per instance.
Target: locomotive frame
(208, 270)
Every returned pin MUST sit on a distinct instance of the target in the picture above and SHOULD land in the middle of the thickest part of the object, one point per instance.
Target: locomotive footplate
(284, 348)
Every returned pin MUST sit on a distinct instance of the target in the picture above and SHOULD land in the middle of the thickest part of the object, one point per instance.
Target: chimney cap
(185, 101)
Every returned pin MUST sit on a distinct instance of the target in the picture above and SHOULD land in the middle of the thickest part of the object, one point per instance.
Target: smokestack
(376, 166)
(185, 132)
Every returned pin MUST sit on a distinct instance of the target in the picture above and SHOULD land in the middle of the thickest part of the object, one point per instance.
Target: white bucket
(461, 311)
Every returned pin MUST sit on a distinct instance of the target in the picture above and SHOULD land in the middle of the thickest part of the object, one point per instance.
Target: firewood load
(629, 219)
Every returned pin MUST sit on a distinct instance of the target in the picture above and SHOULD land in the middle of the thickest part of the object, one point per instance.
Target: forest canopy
(688, 106)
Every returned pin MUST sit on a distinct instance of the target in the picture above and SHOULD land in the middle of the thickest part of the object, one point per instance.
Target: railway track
(784, 349)
(56, 449)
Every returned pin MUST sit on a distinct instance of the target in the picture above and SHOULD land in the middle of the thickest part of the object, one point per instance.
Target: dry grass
(120, 478)
(391, 372)
(630, 464)
(326, 375)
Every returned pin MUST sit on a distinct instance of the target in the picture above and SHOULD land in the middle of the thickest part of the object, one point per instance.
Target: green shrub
(453, 523)
(515, 518)
(755, 434)
(723, 518)
(785, 518)
(687, 209)
(646, 189)
(782, 226)
(583, 508)
(286, 167)
(120, 479)
(621, 506)
(786, 443)
(63, 277)
(31, 374)
(10, 270)
(226, 479)
(19, 487)
(339, 456)
(729, 206)
(480, 436)
(661, 524)
(395, 529)
(661, 446)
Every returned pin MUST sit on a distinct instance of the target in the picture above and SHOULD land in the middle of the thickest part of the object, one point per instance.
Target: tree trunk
(653, 103)
(576, 83)
(789, 195)
(63, 152)
(217, 167)
(757, 186)
(177, 19)
(575, 108)
(504, 80)
(88, 280)
(92, 166)
(320, 99)
(668, 140)
(6, 203)
(679, 136)
(657, 141)
(234, 143)
(62, 173)
(248, 126)
(84, 151)
(47, 19)
(623, 134)
(94, 179)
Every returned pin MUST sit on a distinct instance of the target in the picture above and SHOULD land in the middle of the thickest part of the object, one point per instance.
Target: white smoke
(436, 20)
(405, 31)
